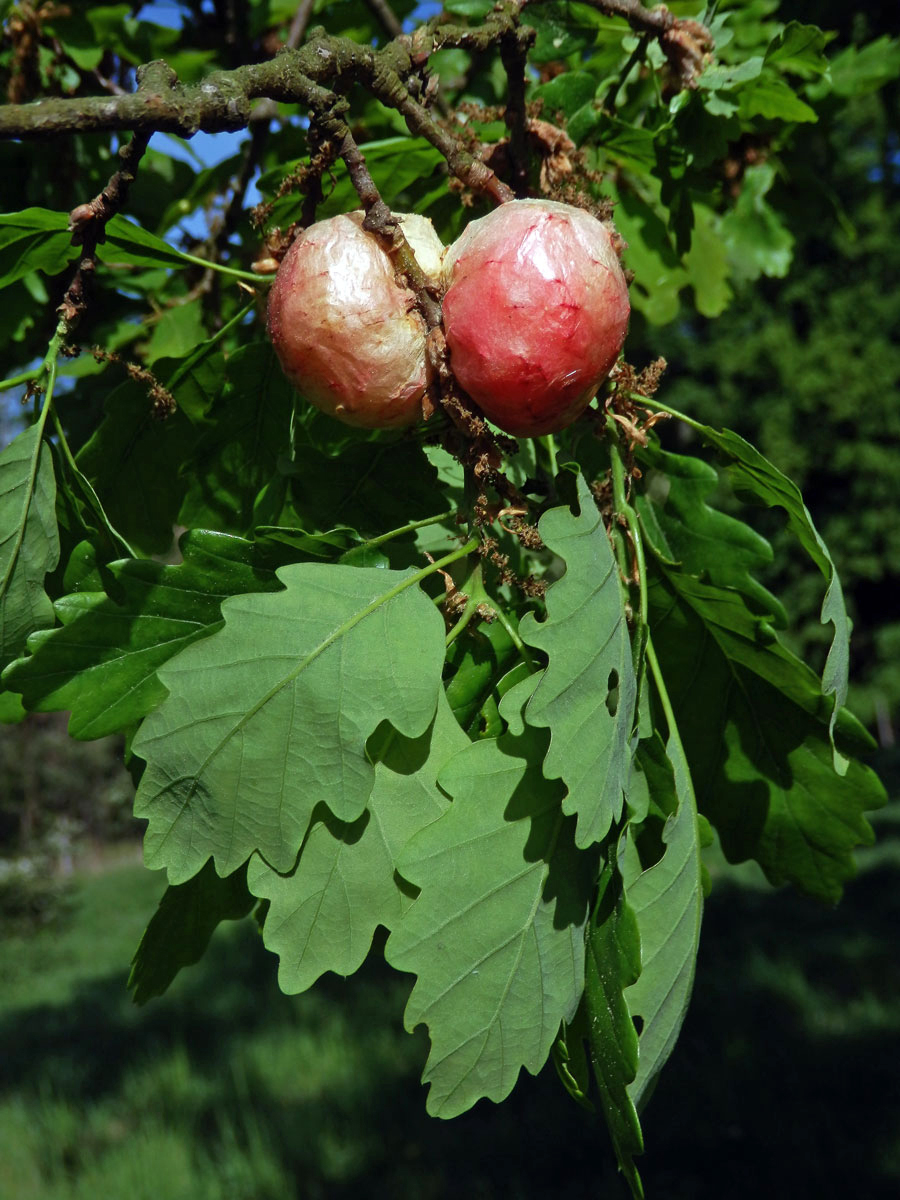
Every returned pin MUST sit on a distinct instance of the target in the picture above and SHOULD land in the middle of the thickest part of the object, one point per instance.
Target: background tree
(520, 798)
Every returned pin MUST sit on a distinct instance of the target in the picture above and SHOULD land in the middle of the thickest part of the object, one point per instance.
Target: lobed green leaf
(269, 716)
(587, 695)
(496, 935)
(614, 964)
(101, 663)
(322, 916)
(667, 902)
(29, 540)
(685, 529)
(752, 472)
(182, 925)
(754, 725)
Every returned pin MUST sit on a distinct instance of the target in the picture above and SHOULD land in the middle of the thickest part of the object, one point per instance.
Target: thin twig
(299, 24)
(514, 55)
(88, 223)
(386, 16)
(381, 221)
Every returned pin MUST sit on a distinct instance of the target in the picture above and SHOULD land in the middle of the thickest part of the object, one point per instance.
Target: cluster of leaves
(815, 355)
(341, 712)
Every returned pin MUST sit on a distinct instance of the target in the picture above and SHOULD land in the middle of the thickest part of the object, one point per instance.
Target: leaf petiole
(201, 352)
(626, 511)
(513, 633)
(232, 271)
(393, 533)
(474, 589)
(673, 412)
(662, 692)
(87, 490)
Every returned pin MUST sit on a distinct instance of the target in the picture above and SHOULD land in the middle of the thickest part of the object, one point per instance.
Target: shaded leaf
(751, 472)
(101, 662)
(269, 716)
(757, 241)
(29, 539)
(132, 461)
(249, 429)
(177, 333)
(667, 902)
(181, 927)
(35, 239)
(703, 541)
(359, 488)
(859, 70)
(613, 964)
(754, 725)
(479, 660)
(322, 916)
(496, 935)
(587, 695)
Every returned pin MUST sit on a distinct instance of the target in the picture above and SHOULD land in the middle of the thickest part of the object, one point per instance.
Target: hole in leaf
(612, 692)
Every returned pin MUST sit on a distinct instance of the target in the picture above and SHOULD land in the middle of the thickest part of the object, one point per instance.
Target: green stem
(673, 412)
(662, 692)
(623, 508)
(467, 614)
(202, 351)
(474, 588)
(393, 533)
(87, 491)
(212, 266)
(452, 557)
(547, 443)
(524, 652)
(18, 380)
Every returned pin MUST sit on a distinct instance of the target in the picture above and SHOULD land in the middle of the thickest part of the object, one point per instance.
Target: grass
(783, 1083)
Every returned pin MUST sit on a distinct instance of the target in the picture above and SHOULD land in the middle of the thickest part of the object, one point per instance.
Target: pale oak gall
(348, 335)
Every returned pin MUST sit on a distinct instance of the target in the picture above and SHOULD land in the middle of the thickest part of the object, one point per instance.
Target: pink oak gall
(535, 313)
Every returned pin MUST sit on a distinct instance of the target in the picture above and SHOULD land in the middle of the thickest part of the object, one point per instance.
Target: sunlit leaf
(29, 540)
(757, 240)
(101, 663)
(269, 716)
(587, 695)
(667, 902)
(323, 914)
(496, 935)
